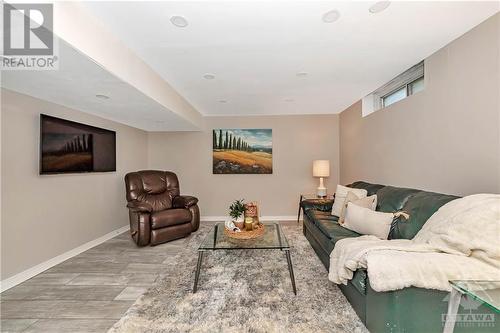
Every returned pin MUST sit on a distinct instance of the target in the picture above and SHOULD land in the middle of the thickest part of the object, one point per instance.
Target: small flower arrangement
(237, 209)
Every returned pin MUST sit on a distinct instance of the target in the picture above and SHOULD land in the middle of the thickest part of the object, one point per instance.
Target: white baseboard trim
(35, 270)
(262, 218)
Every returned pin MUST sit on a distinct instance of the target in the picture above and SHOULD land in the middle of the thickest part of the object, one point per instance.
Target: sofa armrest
(184, 201)
(324, 205)
(140, 207)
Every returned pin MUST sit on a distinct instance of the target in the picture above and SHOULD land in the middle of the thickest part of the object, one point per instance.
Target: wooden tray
(257, 232)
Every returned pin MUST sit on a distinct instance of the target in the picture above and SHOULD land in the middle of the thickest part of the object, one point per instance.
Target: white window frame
(375, 101)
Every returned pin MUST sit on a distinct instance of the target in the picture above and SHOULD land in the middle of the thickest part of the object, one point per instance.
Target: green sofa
(407, 310)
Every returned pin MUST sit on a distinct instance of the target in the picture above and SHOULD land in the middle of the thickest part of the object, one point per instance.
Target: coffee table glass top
(486, 292)
(273, 238)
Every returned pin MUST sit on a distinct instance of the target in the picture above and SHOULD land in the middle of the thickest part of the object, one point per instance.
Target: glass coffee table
(272, 239)
(482, 292)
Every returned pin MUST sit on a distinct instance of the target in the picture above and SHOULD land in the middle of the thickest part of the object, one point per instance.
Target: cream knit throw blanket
(459, 241)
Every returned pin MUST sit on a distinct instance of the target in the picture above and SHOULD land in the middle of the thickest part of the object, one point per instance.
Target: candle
(249, 223)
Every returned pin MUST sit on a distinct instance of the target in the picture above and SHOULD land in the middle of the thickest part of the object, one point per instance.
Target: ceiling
(77, 82)
(255, 49)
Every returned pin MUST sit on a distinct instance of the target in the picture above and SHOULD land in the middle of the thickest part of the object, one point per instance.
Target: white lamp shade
(321, 168)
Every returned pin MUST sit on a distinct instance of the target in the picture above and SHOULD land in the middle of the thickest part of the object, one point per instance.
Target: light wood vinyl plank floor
(89, 292)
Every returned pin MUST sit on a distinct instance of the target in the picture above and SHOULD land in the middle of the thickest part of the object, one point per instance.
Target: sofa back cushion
(370, 188)
(392, 199)
(420, 207)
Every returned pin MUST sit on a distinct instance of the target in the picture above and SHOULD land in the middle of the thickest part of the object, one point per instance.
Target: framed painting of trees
(242, 151)
(69, 147)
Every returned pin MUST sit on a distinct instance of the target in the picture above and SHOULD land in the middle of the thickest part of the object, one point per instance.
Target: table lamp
(321, 168)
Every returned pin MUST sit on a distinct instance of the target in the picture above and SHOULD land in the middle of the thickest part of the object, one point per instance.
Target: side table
(313, 198)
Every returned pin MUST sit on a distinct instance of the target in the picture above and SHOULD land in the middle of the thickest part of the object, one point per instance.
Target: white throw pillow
(341, 194)
(367, 222)
(367, 202)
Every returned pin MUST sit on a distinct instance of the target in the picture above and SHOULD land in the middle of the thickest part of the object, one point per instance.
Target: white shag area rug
(243, 291)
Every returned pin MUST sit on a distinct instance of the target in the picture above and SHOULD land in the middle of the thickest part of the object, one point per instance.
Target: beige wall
(45, 216)
(297, 141)
(443, 139)
(446, 139)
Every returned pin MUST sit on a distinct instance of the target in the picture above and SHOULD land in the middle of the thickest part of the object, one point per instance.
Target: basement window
(407, 83)
(394, 97)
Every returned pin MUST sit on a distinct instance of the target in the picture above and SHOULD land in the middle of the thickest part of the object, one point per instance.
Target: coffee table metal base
(290, 270)
(198, 268)
(200, 260)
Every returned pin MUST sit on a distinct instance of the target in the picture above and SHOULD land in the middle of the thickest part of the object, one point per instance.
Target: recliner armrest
(184, 201)
(138, 206)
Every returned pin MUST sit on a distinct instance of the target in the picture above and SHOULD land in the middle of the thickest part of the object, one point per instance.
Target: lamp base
(321, 190)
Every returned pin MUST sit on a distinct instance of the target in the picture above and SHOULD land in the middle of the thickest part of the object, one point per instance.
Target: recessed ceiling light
(209, 76)
(101, 96)
(223, 101)
(302, 74)
(288, 99)
(331, 16)
(179, 21)
(379, 6)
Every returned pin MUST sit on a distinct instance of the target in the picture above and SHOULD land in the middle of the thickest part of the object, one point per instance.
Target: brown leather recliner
(158, 213)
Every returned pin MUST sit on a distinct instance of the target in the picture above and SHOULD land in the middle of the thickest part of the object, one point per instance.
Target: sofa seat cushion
(329, 226)
(322, 241)
(334, 231)
(169, 217)
(359, 281)
(316, 215)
